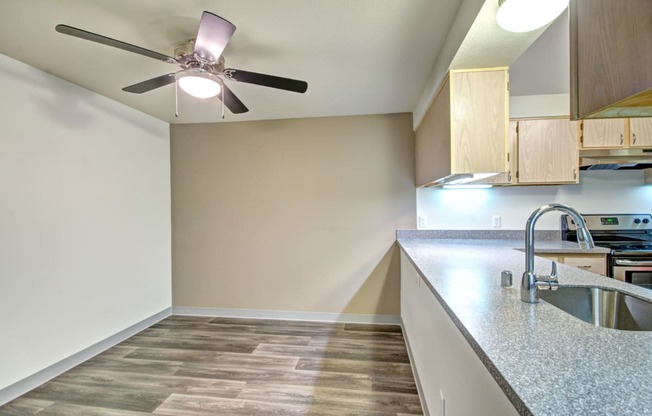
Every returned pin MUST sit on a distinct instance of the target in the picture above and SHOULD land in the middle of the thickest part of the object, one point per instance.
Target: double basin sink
(608, 308)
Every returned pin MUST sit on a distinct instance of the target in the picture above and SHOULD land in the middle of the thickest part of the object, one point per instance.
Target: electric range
(628, 236)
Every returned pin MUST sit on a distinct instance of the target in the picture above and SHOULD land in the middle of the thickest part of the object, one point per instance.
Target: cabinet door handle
(633, 138)
(622, 138)
(574, 174)
(584, 267)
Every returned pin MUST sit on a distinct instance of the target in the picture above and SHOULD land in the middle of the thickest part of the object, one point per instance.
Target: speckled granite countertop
(546, 361)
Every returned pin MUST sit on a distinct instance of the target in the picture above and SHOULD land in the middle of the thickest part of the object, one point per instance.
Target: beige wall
(291, 215)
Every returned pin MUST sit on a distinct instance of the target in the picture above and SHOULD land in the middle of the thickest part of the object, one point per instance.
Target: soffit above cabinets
(488, 45)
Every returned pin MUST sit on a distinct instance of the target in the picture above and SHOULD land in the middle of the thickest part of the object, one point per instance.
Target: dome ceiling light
(528, 15)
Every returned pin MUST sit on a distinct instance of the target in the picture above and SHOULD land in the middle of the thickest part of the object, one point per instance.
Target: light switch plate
(423, 221)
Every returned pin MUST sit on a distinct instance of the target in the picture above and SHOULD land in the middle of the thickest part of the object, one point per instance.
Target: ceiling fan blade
(232, 102)
(266, 80)
(213, 35)
(94, 37)
(150, 84)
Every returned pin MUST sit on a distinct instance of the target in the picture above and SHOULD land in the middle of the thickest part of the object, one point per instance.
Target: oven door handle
(622, 262)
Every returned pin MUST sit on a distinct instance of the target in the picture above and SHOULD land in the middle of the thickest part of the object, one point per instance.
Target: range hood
(615, 159)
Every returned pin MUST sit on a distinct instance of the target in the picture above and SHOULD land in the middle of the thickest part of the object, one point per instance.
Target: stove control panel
(610, 222)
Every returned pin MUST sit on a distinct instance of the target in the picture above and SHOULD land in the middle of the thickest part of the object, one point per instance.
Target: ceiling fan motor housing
(188, 59)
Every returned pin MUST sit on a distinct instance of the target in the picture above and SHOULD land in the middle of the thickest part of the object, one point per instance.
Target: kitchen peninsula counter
(546, 361)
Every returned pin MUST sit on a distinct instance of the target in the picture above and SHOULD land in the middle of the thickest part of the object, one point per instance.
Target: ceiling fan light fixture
(528, 15)
(198, 84)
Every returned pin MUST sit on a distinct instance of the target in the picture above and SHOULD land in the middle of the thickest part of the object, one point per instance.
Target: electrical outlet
(423, 221)
(495, 221)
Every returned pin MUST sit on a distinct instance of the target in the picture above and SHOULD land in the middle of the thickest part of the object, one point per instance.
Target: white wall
(84, 219)
(549, 105)
(472, 209)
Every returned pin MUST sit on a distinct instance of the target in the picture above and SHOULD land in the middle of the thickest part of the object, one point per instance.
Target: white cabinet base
(444, 364)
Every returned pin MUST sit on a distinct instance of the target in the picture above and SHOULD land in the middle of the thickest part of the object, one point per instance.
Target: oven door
(636, 272)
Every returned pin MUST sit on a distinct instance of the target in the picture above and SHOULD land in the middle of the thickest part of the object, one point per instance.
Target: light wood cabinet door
(595, 264)
(465, 128)
(509, 177)
(553, 257)
(604, 133)
(479, 120)
(547, 151)
(641, 132)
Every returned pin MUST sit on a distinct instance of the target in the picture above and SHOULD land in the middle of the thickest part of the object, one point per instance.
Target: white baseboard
(21, 387)
(417, 381)
(288, 315)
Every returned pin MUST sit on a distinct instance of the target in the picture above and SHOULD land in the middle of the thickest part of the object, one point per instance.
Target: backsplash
(473, 209)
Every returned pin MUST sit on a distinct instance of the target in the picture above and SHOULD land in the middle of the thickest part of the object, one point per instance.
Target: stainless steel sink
(608, 308)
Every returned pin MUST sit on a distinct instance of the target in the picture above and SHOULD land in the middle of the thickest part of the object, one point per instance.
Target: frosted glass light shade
(527, 15)
(198, 84)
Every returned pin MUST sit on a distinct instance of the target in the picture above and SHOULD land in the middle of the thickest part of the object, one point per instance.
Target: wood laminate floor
(187, 366)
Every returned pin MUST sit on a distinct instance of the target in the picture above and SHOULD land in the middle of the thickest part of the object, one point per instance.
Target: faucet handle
(553, 280)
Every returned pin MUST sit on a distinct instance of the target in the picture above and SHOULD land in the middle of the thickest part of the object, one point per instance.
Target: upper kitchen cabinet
(616, 133)
(641, 131)
(547, 151)
(604, 133)
(509, 177)
(611, 57)
(542, 152)
(464, 134)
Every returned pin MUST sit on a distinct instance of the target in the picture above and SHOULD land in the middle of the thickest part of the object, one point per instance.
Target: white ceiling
(358, 57)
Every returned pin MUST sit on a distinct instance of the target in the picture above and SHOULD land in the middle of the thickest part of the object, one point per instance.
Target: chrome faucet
(530, 281)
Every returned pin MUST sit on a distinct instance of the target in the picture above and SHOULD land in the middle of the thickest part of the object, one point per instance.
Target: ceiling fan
(201, 62)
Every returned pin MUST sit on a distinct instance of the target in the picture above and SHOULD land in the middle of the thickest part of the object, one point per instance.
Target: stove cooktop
(631, 233)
